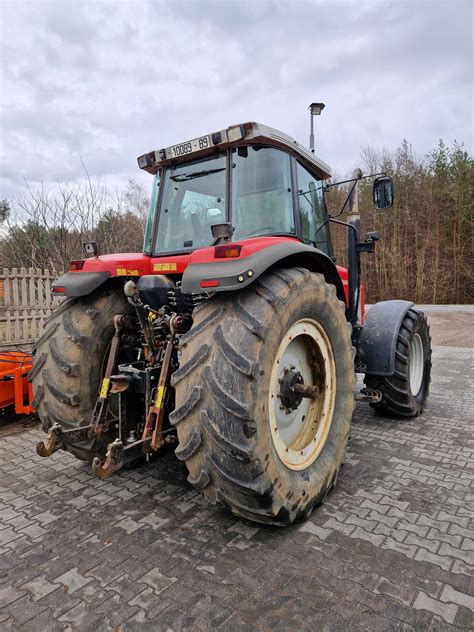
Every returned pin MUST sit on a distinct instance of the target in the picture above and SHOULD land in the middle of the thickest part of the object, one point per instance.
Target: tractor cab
(256, 178)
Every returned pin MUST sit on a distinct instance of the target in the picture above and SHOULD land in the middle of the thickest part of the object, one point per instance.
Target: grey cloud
(108, 81)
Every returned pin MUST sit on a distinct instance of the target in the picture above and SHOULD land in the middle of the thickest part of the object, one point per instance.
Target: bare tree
(46, 229)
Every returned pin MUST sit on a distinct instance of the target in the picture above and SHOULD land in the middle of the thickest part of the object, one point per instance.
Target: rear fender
(236, 274)
(96, 271)
(77, 284)
(378, 338)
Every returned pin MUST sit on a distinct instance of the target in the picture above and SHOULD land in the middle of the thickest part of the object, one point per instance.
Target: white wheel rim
(299, 435)
(416, 364)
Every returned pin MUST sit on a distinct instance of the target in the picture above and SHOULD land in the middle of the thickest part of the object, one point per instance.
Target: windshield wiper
(195, 174)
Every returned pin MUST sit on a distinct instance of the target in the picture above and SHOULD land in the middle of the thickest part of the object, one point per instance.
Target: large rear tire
(69, 364)
(240, 447)
(405, 393)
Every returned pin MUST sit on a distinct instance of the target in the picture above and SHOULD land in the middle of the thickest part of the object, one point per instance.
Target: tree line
(426, 247)
(425, 252)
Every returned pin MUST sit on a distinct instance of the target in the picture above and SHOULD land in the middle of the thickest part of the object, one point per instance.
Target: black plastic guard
(236, 274)
(153, 289)
(78, 284)
(378, 339)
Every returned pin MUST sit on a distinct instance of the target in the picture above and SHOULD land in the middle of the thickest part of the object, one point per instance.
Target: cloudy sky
(107, 81)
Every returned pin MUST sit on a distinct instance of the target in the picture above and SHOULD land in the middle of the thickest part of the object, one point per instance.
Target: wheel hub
(302, 394)
(293, 389)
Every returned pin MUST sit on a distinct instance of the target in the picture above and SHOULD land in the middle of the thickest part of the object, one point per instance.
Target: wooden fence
(26, 300)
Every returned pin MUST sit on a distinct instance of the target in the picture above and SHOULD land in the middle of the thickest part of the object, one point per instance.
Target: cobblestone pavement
(392, 548)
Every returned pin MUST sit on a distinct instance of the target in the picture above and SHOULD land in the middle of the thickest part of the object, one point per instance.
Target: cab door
(312, 210)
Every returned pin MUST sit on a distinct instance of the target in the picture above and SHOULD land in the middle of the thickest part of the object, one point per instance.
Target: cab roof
(244, 133)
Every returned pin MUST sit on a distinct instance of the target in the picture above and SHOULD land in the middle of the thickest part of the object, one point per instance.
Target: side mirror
(383, 192)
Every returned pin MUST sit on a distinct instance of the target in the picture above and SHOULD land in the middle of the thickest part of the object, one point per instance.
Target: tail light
(227, 251)
(209, 283)
(76, 264)
(59, 290)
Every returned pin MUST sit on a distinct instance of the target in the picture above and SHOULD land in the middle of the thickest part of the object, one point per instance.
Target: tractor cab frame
(258, 179)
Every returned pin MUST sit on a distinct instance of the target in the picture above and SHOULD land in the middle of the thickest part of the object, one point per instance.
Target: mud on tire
(222, 390)
(68, 363)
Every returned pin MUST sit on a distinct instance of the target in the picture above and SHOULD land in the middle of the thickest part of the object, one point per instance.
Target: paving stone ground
(392, 548)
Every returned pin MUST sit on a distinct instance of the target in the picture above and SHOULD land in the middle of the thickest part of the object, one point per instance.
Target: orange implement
(14, 387)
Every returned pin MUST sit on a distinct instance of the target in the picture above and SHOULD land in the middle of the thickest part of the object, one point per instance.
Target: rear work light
(227, 251)
(147, 160)
(58, 290)
(235, 133)
(76, 264)
(209, 283)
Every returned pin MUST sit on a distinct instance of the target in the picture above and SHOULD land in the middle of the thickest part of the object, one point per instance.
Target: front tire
(405, 393)
(228, 382)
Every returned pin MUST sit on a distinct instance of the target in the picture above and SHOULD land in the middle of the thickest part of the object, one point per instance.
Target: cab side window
(311, 208)
(262, 201)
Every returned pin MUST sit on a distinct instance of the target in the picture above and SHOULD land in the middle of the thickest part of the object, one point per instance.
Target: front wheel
(264, 396)
(405, 393)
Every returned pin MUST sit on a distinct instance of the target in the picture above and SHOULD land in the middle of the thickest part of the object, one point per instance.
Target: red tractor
(234, 335)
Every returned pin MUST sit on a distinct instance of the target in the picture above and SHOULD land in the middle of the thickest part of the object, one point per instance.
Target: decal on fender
(164, 267)
(125, 272)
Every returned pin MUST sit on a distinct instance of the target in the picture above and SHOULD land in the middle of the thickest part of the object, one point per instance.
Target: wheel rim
(300, 425)
(416, 365)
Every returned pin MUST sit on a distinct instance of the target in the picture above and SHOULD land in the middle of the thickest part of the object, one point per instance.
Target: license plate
(204, 142)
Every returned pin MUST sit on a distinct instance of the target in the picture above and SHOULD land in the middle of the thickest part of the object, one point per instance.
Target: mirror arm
(338, 221)
(371, 175)
(355, 180)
